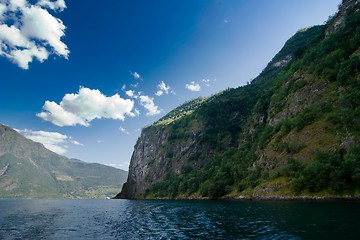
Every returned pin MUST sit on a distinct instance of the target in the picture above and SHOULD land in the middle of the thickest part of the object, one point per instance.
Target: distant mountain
(294, 131)
(29, 170)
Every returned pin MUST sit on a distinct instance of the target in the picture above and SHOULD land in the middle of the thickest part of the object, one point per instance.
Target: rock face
(153, 156)
(338, 20)
(145, 156)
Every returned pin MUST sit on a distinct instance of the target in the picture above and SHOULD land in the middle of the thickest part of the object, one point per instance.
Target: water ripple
(125, 219)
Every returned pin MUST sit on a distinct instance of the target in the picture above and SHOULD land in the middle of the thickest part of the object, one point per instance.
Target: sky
(83, 77)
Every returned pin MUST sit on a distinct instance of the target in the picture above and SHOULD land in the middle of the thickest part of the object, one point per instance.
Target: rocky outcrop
(339, 19)
(297, 101)
(283, 61)
(146, 154)
(154, 156)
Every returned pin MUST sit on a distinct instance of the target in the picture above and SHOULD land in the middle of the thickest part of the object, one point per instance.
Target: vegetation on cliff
(295, 130)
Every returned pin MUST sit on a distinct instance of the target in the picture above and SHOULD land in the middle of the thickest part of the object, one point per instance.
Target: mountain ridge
(29, 170)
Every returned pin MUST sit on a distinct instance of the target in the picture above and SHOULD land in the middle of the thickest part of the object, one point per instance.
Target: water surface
(157, 219)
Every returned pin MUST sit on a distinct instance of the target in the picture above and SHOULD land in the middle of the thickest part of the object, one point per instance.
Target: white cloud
(148, 103)
(226, 21)
(123, 130)
(162, 89)
(206, 82)
(100, 141)
(57, 5)
(135, 75)
(75, 142)
(83, 107)
(2, 9)
(53, 141)
(131, 94)
(193, 86)
(159, 93)
(34, 32)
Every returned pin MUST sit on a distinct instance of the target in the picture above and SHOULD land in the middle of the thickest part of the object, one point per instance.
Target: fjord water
(160, 219)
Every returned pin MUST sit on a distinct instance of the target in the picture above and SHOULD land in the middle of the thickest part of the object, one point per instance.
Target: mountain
(29, 170)
(293, 132)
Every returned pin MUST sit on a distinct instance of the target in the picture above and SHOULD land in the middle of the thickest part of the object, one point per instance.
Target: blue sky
(84, 77)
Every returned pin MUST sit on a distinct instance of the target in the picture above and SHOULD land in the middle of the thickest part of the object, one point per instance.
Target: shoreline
(270, 198)
(294, 198)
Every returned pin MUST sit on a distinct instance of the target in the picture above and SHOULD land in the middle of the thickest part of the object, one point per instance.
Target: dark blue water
(125, 219)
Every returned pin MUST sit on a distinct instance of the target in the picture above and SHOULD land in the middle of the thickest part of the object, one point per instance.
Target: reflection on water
(125, 219)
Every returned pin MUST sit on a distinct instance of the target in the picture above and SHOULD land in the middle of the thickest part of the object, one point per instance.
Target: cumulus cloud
(162, 89)
(83, 107)
(131, 94)
(148, 103)
(195, 87)
(33, 32)
(53, 141)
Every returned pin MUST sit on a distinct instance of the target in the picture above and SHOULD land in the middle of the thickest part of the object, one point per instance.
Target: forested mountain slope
(29, 170)
(294, 131)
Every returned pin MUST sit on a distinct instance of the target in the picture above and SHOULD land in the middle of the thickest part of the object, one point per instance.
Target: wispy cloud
(83, 107)
(148, 103)
(53, 141)
(124, 130)
(134, 85)
(135, 75)
(122, 165)
(206, 82)
(194, 87)
(33, 32)
(226, 21)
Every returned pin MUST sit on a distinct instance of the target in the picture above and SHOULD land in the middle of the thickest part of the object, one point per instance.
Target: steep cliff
(293, 131)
